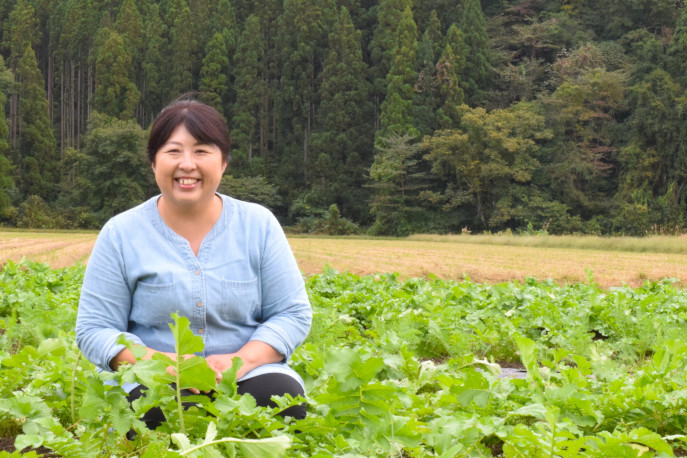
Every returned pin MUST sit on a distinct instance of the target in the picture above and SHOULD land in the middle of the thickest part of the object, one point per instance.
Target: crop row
(392, 368)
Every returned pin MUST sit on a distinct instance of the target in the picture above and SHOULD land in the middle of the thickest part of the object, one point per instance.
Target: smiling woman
(222, 263)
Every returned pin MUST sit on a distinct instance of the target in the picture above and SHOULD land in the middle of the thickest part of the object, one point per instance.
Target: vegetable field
(393, 367)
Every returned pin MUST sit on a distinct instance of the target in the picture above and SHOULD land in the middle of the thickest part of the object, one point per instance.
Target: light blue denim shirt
(243, 285)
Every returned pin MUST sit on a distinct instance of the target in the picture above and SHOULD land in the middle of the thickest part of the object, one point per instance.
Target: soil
(7, 445)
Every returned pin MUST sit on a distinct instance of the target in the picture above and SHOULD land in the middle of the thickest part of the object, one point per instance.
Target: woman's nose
(187, 161)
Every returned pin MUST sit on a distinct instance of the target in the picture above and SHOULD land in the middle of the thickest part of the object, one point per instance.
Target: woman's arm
(105, 302)
(286, 311)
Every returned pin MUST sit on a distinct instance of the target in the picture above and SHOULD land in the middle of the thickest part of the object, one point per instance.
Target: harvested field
(486, 263)
(413, 257)
(59, 249)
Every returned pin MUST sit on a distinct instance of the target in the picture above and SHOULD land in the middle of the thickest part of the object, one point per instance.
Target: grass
(651, 244)
(610, 261)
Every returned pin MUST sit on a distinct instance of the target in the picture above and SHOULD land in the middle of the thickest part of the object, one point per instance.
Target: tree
(22, 30)
(251, 189)
(342, 131)
(115, 92)
(677, 50)
(397, 183)
(249, 87)
(37, 143)
(450, 66)
(477, 71)
(396, 115)
(213, 82)
(129, 26)
(154, 91)
(180, 64)
(425, 101)
(653, 166)
(389, 15)
(486, 161)
(113, 175)
(303, 28)
(583, 113)
(75, 69)
(6, 167)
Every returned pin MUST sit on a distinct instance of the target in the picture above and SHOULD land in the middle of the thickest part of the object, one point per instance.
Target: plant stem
(73, 408)
(553, 439)
(180, 407)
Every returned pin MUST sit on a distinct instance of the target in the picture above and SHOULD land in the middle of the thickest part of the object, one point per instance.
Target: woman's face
(188, 173)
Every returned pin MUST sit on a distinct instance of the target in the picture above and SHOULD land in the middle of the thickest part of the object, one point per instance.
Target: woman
(224, 264)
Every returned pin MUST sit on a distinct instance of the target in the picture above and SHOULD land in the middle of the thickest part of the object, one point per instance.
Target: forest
(386, 117)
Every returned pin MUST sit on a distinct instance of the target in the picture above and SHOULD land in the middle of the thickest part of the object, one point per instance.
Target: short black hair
(201, 120)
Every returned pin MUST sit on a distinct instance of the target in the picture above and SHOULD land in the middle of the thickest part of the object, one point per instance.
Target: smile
(187, 181)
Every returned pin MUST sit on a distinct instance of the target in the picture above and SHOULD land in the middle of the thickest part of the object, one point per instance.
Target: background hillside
(389, 117)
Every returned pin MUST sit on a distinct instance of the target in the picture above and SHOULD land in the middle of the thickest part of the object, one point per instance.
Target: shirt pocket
(153, 304)
(240, 301)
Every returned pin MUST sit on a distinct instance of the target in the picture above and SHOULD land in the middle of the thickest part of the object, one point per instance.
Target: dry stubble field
(445, 257)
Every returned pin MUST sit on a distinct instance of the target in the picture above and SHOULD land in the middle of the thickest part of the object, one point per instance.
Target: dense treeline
(392, 116)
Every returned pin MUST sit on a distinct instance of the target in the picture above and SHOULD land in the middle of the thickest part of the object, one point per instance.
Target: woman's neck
(192, 223)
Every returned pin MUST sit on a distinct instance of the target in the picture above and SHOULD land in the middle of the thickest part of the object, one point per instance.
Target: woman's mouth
(187, 183)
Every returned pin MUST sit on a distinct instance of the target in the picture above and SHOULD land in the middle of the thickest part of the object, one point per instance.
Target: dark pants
(261, 387)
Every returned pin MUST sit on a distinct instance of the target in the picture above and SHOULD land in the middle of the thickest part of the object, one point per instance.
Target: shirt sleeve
(286, 310)
(105, 302)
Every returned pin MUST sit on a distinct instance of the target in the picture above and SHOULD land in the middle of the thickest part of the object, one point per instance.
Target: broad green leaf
(194, 372)
(650, 439)
(186, 343)
(272, 447)
(530, 410)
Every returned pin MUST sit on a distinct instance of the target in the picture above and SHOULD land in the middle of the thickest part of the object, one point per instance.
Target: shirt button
(197, 272)
(199, 304)
(200, 331)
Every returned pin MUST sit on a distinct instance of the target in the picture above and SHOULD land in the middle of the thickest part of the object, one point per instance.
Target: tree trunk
(63, 126)
(13, 120)
(79, 91)
(50, 89)
(305, 152)
(72, 106)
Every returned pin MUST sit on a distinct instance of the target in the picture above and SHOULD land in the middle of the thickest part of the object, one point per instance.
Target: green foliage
(213, 83)
(251, 189)
(6, 167)
(396, 110)
(488, 160)
(340, 142)
(398, 181)
(655, 161)
(116, 94)
(392, 367)
(308, 87)
(153, 96)
(389, 13)
(22, 31)
(476, 72)
(36, 137)
(180, 65)
(329, 223)
(112, 173)
(249, 87)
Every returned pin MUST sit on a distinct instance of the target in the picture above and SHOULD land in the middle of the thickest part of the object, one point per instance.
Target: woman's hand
(255, 353)
(220, 363)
